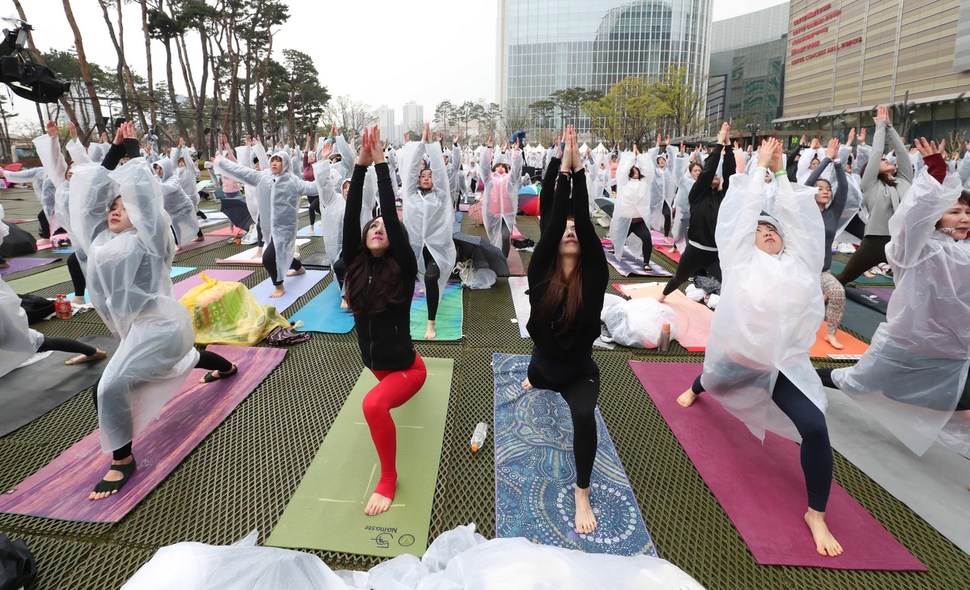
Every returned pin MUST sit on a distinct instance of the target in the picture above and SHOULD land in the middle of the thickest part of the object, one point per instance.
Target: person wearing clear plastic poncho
(634, 179)
(429, 217)
(129, 247)
(757, 362)
(501, 196)
(177, 204)
(18, 342)
(186, 171)
(678, 231)
(253, 155)
(278, 192)
(913, 377)
(567, 283)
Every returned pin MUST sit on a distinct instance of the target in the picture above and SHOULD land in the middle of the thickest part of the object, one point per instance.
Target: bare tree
(349, 115)
(153, 114)
(85, 70)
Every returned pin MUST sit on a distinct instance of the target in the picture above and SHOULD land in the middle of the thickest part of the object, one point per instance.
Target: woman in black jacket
(567, 281)
(381, 270)
(705, 202)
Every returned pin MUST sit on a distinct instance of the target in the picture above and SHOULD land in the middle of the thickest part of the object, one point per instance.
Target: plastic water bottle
(478, 437)
(62, 306)
(664, 338)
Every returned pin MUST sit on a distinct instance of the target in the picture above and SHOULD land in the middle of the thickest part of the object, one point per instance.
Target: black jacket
(705, 202)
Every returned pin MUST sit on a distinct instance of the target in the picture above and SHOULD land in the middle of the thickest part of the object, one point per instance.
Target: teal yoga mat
(877, 281)
(177, 271)
(323, 313)
(448, 322)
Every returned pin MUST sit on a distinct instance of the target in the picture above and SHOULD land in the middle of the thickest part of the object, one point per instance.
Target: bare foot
(83, 358)
(198, 239)
(526, 385)
(825, 543)
(868, 275)
(377, 504)
(114, 476)
(672, 249)
(259, 253)
(295, 273)
(4, 265)
(43, 242)
(420, 290)
(687, 398)
(344, 304)
(429, 333)
(585, 519)
(277, 292)
(661, 297)
(831, 339)
(77, 300)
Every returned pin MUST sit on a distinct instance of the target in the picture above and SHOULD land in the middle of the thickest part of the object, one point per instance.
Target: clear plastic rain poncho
(429, 217)
(332, 207)
(913, 373)
(246, 155)
(35, 176)
(49, 152)
(17, 341)
(128, 280)
(632, 201)
(187, 175)
(770, 308)
(500, 201)
(177, 204)
(278, 196)
(678, 230)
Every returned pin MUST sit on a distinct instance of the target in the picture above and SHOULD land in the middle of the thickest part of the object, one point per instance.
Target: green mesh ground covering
(242, 476)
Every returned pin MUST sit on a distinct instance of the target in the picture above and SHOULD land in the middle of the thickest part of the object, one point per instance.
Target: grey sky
(377, 51)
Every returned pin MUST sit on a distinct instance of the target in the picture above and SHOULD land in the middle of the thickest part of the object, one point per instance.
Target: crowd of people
(753, 225)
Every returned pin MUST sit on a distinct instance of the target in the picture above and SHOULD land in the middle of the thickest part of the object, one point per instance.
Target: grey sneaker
(605, 334)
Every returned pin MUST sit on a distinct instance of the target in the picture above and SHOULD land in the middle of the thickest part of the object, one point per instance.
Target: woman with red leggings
(381, 271)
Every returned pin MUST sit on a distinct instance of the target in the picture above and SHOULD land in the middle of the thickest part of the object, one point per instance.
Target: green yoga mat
(327, 510)
(877, 281)
(448, 320)
(41, 280)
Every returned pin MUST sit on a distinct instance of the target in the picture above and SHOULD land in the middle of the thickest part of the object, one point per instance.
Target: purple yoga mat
(761, 487)
(21, 264)
(206, 241)
(883, 293)
(220, 274)
(60, 489)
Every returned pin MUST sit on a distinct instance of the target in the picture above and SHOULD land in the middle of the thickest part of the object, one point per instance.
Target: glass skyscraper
(550, 45)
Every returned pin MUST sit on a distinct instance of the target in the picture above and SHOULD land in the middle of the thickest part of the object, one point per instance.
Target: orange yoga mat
(693, 319)
(822, 349)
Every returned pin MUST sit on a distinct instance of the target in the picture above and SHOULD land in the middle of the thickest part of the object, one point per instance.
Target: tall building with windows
(385, 121)
(413, 118)
(546, 45)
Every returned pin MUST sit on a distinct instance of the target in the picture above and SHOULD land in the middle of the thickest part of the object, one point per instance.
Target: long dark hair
(564, 295)
(385, 285)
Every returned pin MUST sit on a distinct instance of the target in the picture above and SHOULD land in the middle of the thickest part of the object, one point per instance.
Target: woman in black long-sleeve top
(567, 281)
(381, 270)
(705, 202)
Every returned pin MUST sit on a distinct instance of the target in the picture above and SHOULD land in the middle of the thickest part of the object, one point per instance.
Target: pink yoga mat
(21, 264)
(60, 489)
(761, 487)
(693, 319)
(516, 268)
(227, 231)
(206, 241)
(220, 274)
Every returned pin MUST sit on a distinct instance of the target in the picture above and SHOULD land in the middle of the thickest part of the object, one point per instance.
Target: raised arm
(411, 156)
(804, 230)
(439, 175)
(594, 258)
(325, 189)
(49, 151)
(904, 162)
(236, 171)
(706, 177)
(738, 217)
(352, 230)
(346, 153)
(91, 193)
(546, 196)
(871, 175)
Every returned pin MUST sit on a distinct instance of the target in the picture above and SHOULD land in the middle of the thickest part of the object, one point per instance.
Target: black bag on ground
(17, 566)
(37, 307)
(17, 243)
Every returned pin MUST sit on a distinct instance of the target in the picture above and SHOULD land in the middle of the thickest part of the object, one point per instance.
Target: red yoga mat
(60, 489)
(761, 487)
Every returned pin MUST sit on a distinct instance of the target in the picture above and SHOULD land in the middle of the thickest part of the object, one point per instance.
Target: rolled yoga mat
(324, 314)
(60, 489)
(535, 472)
(520, 299)
(630, 264)
(22, 264)
(327, 510)
(30, 392)
(761, 487)
(448, 321)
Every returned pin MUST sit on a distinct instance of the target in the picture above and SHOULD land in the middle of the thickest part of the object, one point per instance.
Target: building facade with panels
(747, 70)
(846, 57)
(546, 45)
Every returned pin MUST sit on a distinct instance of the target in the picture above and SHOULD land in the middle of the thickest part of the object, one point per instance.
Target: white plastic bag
(638, 322)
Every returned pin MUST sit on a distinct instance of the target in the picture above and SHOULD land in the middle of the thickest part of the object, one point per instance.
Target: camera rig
(26, 78)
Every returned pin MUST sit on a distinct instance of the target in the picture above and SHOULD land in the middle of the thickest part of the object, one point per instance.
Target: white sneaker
(695, 293)
(712, 301)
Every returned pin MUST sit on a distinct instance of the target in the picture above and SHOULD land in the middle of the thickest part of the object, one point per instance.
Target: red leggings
(395, 388)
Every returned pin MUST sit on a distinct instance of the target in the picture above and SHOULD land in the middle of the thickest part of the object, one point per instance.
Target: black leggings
(816, 451)
(269, 263)
(506, 240)
(640, 229)
(872, 251)
(314, 209)
(692, 260)
(856, 227)
(668, 218)
(77, 275)
(431, 275)
(66, 345)
(579, 385)
(209, 361)
(963, 403)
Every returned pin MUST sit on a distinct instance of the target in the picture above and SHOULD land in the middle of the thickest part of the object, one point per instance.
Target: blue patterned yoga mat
(535, 472)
